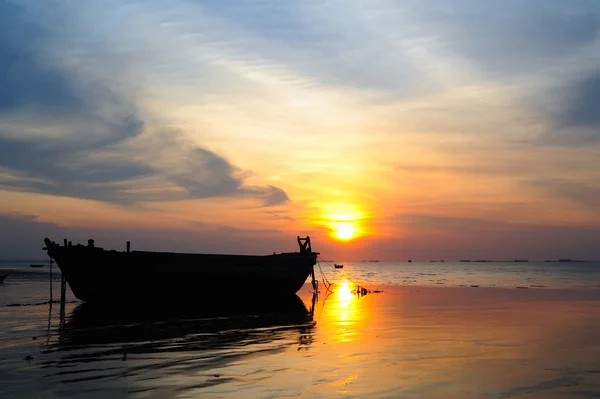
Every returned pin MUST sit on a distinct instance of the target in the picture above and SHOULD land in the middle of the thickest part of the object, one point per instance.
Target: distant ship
(338, 266)
(98, 275)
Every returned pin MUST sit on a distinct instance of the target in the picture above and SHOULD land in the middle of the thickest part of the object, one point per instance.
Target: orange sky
(382, 131)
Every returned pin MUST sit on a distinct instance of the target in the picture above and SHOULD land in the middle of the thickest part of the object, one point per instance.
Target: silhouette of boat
(338, 266)
(98, 275)
(3, 277)
(37, 265)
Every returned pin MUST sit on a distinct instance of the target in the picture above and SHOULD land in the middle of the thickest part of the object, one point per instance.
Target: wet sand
(408, 342)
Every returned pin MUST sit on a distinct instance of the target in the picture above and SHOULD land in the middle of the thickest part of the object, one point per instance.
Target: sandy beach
(407, 341)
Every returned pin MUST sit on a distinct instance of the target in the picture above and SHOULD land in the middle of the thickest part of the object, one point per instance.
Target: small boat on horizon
(340, 266)
(98, 275)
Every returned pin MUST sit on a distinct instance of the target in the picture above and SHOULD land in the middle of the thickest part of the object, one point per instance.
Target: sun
(344, 231)
(345, 221)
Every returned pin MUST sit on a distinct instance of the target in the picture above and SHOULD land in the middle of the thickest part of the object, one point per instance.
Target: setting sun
(345, 221)
(344, 231)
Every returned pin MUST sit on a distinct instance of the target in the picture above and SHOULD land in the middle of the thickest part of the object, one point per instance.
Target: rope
(360, 289)
(328, 284)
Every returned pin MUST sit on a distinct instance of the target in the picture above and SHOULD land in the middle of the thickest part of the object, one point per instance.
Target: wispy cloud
(152, 101)
(56, 80)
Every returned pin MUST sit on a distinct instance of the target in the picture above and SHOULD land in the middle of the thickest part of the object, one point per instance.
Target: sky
(385, 130)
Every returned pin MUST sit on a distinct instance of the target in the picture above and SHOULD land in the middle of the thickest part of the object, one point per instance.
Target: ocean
(436, 330)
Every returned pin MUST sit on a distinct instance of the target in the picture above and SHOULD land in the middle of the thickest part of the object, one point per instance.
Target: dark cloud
(582, 108)
(514, 36)
(50, 168)
(586, 193)
(91, 158)
(25, 79)
(201, 173)
(48, 96)
(577, 120)
(206, 174)
(270, 195)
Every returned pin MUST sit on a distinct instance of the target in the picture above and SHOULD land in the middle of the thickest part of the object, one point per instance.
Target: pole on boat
(128, 246)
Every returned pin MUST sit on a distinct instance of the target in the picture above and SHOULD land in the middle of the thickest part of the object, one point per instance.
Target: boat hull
(97, 275)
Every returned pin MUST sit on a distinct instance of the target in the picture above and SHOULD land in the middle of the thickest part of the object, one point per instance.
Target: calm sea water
(430, 333)
(483, 274)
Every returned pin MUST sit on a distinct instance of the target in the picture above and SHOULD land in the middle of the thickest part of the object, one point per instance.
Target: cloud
(578, 191)
(71, 126)
(576, 120)
(24, 79)
(515, 36)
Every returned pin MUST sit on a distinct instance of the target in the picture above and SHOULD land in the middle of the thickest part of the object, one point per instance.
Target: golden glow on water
(343, 314)
(344, 293)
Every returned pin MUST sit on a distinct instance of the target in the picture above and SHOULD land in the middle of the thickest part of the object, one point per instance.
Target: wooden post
(128, 246)
(315, 282)
(63, 293)
(50, 281)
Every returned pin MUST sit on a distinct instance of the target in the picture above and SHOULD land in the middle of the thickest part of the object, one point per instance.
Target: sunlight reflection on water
(405, 342)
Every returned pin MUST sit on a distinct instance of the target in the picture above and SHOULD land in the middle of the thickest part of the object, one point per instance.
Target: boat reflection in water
(142, 344)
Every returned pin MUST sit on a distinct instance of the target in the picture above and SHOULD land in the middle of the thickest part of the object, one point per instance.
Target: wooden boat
(3, 277)
(98, 275)
(338, 266)
(36, 266)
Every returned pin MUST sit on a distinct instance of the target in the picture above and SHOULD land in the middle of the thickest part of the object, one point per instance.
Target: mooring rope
(324, 278)
(345, 275)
